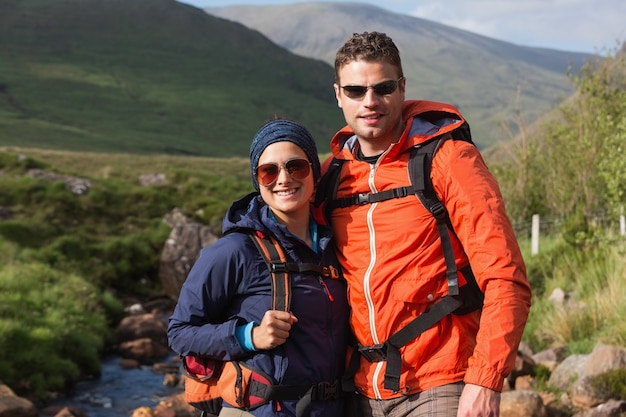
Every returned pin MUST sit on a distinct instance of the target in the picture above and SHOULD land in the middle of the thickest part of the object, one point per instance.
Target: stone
(13, 406)
(604, 358)
(522, 404)
(181, 250)
(141, 326)
(567, 372)
(144, 350)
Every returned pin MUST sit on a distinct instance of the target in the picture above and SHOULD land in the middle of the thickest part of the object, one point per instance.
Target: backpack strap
(420, 164)
(409, 332)
(276, 263)
(204, 390)
(370, 198)
(279, 268)
(326, 190)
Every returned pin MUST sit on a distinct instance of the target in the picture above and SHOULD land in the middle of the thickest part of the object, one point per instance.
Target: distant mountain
(489, 80)
(148, 76)
(158, 76)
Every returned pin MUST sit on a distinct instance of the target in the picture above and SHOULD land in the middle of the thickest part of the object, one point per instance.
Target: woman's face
(290, 195)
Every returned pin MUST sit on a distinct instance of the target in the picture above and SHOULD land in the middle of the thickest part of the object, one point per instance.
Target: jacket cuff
(488, 378)
(243, 334)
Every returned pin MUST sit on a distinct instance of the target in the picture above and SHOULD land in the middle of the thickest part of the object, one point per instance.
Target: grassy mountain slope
(148, 76)
(486, 78)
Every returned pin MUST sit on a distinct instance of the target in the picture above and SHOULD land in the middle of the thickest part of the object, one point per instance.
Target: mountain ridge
(441, 63)
(158, 76)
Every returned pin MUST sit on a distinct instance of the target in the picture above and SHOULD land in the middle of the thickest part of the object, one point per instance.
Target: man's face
(376, 118)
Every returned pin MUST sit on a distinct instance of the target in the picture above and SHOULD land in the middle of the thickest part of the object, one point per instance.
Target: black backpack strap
(420, 164)
(327, 189)
(409, 332)
(369, 198)
(324, 271)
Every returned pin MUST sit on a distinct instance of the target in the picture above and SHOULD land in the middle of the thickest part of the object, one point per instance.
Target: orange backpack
(208, 382)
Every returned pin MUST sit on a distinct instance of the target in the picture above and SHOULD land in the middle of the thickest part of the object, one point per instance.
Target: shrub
(610, 385)
(52, 328)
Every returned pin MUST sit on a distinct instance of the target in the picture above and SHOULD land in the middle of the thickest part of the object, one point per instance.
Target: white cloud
(581, 25)
(577, 25)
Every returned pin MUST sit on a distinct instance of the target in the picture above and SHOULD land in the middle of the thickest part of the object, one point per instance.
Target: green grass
(66, 260)
(610, 385)
(594, 279)
(52, 327)
(143, 77)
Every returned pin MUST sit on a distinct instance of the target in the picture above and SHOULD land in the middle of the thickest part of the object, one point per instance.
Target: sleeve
(477, 213)
(200, 325)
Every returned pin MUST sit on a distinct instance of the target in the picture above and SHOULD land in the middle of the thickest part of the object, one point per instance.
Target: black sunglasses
(297, 168)
(381, 89)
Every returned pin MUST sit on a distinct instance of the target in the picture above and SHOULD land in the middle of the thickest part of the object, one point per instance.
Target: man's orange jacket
(391, 256)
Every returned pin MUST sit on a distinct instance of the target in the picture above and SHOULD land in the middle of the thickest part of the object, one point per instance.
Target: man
(392, 256)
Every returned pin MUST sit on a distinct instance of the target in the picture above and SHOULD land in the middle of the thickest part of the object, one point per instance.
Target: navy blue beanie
(283, 131)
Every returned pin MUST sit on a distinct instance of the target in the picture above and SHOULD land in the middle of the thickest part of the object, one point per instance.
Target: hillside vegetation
(67, 261)
(148, 76)
(573, 170)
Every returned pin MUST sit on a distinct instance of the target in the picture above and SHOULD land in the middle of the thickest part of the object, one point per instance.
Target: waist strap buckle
(325, 391)
(376, 353)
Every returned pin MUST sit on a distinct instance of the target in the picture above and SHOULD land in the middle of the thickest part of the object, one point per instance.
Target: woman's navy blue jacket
(230, 285)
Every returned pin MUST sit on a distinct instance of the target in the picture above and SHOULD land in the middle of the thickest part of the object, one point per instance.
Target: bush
(610, 385)
(52, 328)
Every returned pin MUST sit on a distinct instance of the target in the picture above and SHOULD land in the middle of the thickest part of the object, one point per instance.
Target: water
(119, 391)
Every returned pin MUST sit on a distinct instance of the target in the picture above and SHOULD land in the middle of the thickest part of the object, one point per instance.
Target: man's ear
(337, 94)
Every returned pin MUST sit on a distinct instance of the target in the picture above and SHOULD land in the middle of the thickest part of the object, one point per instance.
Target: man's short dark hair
(368, 46)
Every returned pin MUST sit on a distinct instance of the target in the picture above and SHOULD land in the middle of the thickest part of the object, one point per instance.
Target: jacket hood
(245, 213)
(423, 121)
(250, 212)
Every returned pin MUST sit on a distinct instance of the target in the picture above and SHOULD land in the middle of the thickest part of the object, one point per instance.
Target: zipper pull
(330, 296)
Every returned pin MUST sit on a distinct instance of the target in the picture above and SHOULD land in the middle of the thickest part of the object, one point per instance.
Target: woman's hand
(273, 330)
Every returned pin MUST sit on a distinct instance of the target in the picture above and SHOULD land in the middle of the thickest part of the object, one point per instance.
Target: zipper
(326, 290)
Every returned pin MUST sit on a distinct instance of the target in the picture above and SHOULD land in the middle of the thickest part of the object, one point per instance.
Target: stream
(119, 391)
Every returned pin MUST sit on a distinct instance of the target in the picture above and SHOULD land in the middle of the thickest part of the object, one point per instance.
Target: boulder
(142, 326)
(522, 404)
(13, 406)
(567, 372)
(181, 250)
(144, 350)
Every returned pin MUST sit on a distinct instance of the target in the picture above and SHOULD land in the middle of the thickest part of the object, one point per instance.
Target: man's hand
(477, 401)
(273, 330)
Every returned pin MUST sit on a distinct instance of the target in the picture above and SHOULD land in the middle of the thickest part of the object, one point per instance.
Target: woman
(224, 310)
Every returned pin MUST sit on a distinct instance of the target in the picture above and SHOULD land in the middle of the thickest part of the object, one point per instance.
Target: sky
(593, 26)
